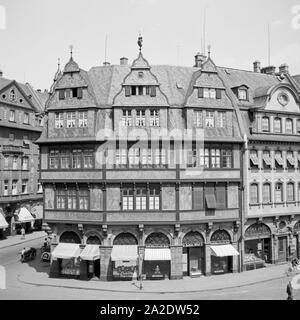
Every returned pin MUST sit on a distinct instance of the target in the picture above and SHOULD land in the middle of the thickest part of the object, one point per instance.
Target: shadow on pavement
(38, 264)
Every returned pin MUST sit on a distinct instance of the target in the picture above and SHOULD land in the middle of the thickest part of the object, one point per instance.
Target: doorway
(282, 249)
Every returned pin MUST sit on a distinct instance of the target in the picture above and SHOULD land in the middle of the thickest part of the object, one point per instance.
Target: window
(298, 126)
(140, 120)
(221, 196)
(277, 125)
(127, 199)
(215, 158)
(222, 119)
(226, 158)
(24, 186)
(26, 118)
(290, 192)
(299, 192)
(206, 158)
(88, 158)
(265, 124)
(154, 118)
(72, 198)
(25, 163)
(59, 120)
(243, 94)
(278, 192)
(12, 116)
(266, 193)
(83, 199)
(127, 118)
(121, 157)
(64, 159)
(71, 119)
(278, 160)
(209, 93)
(198, 197)
(11, 137)
(82, 122)
(74, 92)
(267, 161)
(5, 189)
(290, 160)
(289, 126)
(254, 162)
(61, 94)
(134, 157)
(12, 95)
(76, 158)
(209, 119)
(192, 158)
(61, 198)
(198, 117)
(53, 159)
(15, 163)
(6, 162)
(152, 91)
(254, 193)
(14, 187)
(159, 157)
(140, 90)
(141, 198)
(154, 198)
(39, 188)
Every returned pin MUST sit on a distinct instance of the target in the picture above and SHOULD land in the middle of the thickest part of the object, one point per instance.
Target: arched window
(298, 126)
(289, 126)
(278, 192)
(220, 236)
(254, 193)
(125, 238)
(290, 191)
(277, 125)
(266, 193)
(69, 237)
(93, 240)
(157, 239)
(265, 124)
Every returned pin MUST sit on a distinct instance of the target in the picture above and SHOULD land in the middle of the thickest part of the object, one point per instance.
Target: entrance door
(282, 249)
(195, 258)
(266, 250)
(97, 268)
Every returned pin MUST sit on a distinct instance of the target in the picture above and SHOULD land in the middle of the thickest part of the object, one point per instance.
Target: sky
(35, 33)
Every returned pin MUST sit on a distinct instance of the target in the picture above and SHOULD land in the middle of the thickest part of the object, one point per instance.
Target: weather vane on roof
(71, 51)
(58, 63)
(140, 41)
(209, 48)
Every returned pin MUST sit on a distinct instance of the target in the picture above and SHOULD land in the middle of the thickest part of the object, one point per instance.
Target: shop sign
(124, 269)
(70, 267)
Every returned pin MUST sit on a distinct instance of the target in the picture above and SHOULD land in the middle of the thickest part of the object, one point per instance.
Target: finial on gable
(140, 41)
(71, 51)
(58, 64)
(209, 48)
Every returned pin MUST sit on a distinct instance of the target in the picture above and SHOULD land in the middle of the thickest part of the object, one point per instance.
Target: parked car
(29, 253)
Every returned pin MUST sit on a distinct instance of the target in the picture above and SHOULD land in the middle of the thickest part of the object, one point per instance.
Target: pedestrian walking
(22, 233)
(289, 291)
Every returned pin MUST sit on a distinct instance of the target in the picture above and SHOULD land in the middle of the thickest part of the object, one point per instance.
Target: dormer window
(140, 91)
(289, 126)
(243, 94)
(12, 95)
(209, 93)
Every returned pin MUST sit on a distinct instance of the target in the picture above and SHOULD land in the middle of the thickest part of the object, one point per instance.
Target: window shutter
(79, 93)
(200, 92)
(221, 196)
(127, 91)
(153, 91)
(198, 197)
(61, 94)
(218, 93)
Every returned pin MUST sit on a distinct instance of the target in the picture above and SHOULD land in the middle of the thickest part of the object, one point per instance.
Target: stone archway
(93, 239)
(220, 236)
(69, 237)
(125, 238)
(192, 239)
(257, 230)
(157, 239)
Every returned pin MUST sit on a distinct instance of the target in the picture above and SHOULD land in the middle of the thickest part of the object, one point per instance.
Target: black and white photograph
(149, 150)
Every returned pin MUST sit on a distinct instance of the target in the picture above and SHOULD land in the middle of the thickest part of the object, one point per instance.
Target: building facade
(21, 116)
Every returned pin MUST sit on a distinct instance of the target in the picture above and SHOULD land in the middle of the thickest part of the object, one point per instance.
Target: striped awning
(3, 223)
(91, 252)
(224, 250)
(66, 251)
(157, 254)
(279, 160)
(291, 160)
(125, 252)
(24, 215)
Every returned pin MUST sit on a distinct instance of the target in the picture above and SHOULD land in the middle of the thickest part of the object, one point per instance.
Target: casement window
(74, 92)
(265, 124)
(140, 118)
(209, 93)
(127, 118)
(71, 119)
(215, 158)
(83, 199)
(290, 159)
(59, 120)
(121, 157)
(146, 157)
(61, 94)
(65, 159)
(26, 118)
(154, 118)
(5, 187)
(127, 199)
(288, 126)
(154, 198)
(24, 186)
(278, 192)
(242, 93)
(159, 157)
(198, 117)
(290, 191)
(12, 116)
(53, 159)
(210, 119)
(298, 126)
(277, 125)
(25, 163)
(76, 158)
(266, 193)
(279, 160)
(198, 197)
(39, 188)
(88, 158)
(206, 93)
(219, 93)
(222, 119)
(72, 198)
(191, 158)
(15, 163)
(226, 158)
(6, 162)
(127, 91)
(267, 161)
(254, 193)
(206, 158)
(82, 119)
(141, 198)
(254, 162)
(14, 187)
(61, 198)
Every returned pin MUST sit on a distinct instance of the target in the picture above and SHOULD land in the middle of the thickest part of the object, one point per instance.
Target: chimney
(39, 90)
(284, 68)
(123, 61)
(106, 63)
(256, 66)
(199, 59)
(268, 70)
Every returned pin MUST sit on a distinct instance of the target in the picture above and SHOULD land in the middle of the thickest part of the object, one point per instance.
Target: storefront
(296, 239)
(3, 225)
(257, 246)
(124, 257)
(90, 257)
(222, 252)
(193, 257)
(37, 213)
(23, 219)
(157, 257)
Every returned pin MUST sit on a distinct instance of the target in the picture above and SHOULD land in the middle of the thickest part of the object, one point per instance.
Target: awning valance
(159, 254)
(224, 250)
(127, 253)
(3, 223)
(24, 215)
(91, 252)
(66, 251)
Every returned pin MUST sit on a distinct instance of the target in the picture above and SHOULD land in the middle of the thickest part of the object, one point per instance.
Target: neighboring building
(142, 202)
(269, 106)
(21, 122)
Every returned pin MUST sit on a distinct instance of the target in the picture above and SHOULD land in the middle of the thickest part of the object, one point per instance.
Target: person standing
(289, 291)
(22, 233)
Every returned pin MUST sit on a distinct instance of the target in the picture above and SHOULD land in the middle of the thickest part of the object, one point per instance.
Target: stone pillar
(274, 248)
(176, 262)
(141, 254)
(235, 259)
(54, 269)
(207, 260)
(105, 263)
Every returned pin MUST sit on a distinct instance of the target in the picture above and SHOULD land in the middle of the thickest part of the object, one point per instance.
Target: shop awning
(3, 223)
(126, 253)
(224, 250)
(24, 215)
(91, 252)
(158, 254)
(37, 212)
(291, 160)
(66, 251)
(279, 160)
